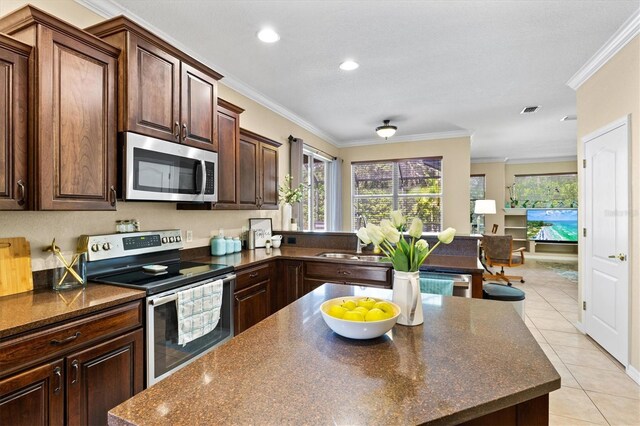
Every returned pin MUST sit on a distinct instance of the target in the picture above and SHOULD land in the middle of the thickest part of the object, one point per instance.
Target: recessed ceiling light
(349, 65)
(268, 35)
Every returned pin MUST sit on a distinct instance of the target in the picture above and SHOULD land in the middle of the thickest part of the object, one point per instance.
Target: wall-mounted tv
(552, 225)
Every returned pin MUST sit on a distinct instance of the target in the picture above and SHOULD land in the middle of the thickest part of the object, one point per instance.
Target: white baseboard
(633, 373)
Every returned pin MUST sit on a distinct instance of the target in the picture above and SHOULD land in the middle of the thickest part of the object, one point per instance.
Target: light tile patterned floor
(595, 388)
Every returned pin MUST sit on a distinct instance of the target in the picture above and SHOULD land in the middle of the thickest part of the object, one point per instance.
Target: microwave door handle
(203, 182)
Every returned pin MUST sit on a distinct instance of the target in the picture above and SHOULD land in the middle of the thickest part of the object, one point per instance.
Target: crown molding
(109, 9)
(408, 138)
(627, 31)
(542, 160)
(483, 160)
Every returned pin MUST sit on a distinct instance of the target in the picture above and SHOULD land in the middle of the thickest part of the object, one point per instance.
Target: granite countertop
(27, 311)
(469, 358)
(248, 258)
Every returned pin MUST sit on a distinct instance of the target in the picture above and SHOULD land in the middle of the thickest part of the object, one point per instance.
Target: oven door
(164, 354)
(157, 170)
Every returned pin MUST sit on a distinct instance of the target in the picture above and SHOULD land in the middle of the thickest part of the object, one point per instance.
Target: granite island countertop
(469, 358)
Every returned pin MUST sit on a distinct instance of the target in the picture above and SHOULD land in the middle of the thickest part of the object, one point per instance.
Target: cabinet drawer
(34, 347)
(342, 272)
(253, 276)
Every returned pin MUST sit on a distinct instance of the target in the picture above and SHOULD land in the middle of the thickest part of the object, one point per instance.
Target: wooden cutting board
(15, 266)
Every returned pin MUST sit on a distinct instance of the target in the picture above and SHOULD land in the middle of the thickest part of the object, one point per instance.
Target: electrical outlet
(189, 236)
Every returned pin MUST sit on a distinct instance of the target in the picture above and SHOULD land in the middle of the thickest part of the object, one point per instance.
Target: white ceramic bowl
(276, 243)
(358, 329)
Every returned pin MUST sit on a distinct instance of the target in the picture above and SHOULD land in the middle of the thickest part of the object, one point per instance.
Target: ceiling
(435, 68)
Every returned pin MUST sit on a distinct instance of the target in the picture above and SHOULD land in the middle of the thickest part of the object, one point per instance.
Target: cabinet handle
(344, 272)
(58, 373)
(21, 192)
(253, 275)
(184, 131)
(56, 342)
(112, 196)
(176, 130)
(74, 371)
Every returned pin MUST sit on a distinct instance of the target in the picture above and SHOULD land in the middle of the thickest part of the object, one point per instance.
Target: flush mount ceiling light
(386, 130)
(349, 65)
(268, 35)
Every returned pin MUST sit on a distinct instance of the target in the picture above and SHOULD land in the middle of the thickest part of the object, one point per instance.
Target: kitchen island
(471, 358)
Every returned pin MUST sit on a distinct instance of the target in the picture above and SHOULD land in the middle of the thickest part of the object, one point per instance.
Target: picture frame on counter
(263, 229)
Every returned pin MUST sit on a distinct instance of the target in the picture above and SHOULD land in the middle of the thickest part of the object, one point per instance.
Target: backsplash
(39, 228)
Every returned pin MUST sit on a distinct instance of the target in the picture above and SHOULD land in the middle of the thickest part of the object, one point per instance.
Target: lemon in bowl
(360, 317)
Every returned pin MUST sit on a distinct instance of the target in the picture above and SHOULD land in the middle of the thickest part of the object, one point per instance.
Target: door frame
(626, 120)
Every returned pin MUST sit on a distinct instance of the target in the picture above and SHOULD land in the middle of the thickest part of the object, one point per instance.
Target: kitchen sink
(339, 256)
(349, 256)
(370, 257)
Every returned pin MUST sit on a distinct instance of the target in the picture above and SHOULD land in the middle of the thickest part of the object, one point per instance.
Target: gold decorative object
(76, 262)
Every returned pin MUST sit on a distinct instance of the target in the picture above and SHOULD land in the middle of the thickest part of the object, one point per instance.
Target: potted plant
(288, 196)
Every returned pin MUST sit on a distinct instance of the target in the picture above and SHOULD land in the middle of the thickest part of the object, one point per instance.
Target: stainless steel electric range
(150, 261)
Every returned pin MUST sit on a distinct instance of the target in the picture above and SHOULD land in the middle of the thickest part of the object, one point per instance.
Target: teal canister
(228, 241)
(237, 244)
(218, 246)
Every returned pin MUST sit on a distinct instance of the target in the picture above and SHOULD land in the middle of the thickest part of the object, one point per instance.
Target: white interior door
(606, 213)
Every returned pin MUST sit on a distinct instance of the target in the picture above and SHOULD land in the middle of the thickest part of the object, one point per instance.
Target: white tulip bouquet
(389, 237)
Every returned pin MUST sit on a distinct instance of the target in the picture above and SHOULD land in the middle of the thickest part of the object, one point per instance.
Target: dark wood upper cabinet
(73, 110)
(199, 109)
(14, 103)
(163, 92)
(258, 181)
(153, 106)
(228, 154)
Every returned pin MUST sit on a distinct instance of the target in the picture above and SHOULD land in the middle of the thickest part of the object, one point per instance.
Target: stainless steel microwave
(156, 170)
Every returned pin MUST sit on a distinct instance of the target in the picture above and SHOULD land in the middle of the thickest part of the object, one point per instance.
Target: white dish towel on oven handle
(198, 311)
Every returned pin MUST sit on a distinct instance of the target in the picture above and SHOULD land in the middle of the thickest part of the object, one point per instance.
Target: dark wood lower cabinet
(289, 285)
(103, 376)
(33, 397)
(73, 372)
(252, 305)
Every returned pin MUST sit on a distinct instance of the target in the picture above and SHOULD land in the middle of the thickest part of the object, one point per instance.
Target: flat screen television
(552, 225)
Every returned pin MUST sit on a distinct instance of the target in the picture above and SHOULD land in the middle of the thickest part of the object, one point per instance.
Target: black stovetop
(177, 274)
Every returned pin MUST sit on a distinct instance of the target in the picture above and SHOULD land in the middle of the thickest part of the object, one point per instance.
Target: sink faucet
(361, 221)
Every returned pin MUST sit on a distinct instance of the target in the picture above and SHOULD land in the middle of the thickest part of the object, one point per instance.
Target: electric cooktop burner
(176, 275)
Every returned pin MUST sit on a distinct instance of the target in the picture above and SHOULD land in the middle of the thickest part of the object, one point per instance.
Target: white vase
(406, 294)
(286, 216)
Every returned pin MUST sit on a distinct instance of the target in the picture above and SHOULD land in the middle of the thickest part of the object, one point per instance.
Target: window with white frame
(477, 184)
(413, 186)
(315, 174)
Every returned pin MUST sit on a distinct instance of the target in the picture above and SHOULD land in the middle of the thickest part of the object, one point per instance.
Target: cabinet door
(33, 397)
(228, 150)
(13, 133)
(248, 177)
(154, 91)
(76, 154)
(290, 286)
(268, 177)
(103, 376)
(199, 100)
(252, 305)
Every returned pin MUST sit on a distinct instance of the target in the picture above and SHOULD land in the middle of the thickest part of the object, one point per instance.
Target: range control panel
(110, 246)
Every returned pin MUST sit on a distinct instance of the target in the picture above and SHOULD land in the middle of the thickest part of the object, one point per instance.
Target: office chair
(498, 251)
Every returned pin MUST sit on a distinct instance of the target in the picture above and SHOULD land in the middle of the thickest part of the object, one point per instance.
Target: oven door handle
(170, 298)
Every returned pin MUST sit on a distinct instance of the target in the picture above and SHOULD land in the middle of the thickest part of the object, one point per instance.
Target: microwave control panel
(210, 187)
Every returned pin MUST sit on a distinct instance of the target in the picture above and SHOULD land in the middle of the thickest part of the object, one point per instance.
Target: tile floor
(595, 388)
